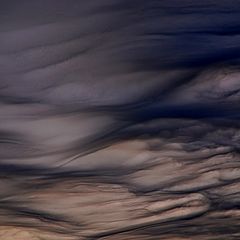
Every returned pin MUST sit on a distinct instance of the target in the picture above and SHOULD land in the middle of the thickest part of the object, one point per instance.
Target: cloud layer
(119, 120)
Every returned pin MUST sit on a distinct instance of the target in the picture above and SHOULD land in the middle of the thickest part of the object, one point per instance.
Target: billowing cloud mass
(119, 120)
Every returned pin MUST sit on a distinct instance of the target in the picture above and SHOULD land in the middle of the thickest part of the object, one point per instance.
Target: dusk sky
(119, 120)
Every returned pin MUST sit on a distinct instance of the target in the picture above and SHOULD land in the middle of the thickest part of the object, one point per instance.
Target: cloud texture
(119, 120)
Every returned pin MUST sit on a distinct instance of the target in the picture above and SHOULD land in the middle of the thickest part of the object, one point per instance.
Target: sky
(119, 120)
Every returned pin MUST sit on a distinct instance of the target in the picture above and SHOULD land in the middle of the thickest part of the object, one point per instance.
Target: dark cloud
(119, 119)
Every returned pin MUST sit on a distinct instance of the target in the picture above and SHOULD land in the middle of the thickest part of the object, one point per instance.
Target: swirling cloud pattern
(119, 120)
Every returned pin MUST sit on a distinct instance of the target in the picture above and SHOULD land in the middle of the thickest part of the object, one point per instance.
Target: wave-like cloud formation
(119, 120)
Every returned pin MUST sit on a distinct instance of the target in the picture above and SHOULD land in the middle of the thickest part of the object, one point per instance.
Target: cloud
(119, 120)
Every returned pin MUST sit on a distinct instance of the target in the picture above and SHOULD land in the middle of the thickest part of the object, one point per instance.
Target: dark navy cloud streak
(119, 119)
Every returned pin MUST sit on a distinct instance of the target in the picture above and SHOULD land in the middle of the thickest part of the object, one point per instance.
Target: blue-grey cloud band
(119, 119)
